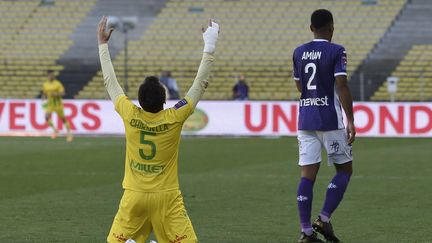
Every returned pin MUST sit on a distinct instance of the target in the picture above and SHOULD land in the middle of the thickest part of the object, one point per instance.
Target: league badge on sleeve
(344, 60)
(180, 104)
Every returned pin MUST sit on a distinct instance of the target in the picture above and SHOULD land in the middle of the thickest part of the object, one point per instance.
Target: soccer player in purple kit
(321, 77)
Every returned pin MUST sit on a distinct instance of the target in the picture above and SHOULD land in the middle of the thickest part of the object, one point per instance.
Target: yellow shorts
(56, 109)
(163, 213)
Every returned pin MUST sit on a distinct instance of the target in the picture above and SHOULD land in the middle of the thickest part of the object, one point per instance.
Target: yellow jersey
(50, 87)
(152, 145)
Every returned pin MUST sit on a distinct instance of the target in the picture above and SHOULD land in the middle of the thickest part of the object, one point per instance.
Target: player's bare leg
(310, 171)
(51, 124)
(304, 202)
(334, 195)
(69, 136)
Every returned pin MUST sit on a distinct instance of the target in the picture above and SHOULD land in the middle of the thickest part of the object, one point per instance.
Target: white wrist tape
(210, 38)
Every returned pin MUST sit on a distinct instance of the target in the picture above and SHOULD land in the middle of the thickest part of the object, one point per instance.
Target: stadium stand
(81, 61)
(411, 29)
(257, 40)
(415, 74)
(36, 35)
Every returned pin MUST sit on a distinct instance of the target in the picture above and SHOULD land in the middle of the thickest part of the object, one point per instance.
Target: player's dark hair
(50, 71)
(321, 18)
(151, 95)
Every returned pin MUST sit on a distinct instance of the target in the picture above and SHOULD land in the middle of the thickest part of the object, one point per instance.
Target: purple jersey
(316, 64)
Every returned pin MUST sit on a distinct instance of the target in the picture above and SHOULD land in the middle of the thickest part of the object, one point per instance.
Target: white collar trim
(320, 40)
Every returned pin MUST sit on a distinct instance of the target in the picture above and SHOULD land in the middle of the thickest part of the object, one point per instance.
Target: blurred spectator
(47, 2)
(241, 89)
(171, 84)
(392, 85)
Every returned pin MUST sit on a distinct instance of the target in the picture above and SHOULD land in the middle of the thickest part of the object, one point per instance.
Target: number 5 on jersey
(312, 66)
(144, 140)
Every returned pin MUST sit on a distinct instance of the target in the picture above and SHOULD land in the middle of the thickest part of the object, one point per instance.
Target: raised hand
(102, 35)
(210, 36)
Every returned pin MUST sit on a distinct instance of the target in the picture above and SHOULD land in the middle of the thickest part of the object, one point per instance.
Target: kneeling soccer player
(320, 75)
(152, 200)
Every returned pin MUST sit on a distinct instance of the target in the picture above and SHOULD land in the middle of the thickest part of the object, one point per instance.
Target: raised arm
(200, 83)
(110, 79)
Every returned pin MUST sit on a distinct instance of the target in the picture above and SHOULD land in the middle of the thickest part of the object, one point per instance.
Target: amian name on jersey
(311, 55)
(141, 125)
(314, 101)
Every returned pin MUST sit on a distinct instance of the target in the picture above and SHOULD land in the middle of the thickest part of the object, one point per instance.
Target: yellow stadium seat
(48, 40)
(257, 40)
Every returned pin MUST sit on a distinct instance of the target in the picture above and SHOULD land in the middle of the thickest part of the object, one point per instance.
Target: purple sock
(335, 192)
(304, 203)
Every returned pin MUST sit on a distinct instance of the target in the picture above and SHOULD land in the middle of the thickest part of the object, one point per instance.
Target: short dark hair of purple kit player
(321, 18)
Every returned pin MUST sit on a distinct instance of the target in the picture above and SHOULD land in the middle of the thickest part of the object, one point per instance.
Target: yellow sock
(67, 125)
(52, 125)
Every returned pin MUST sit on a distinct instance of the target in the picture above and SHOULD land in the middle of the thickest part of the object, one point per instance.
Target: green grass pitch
(236, 189)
